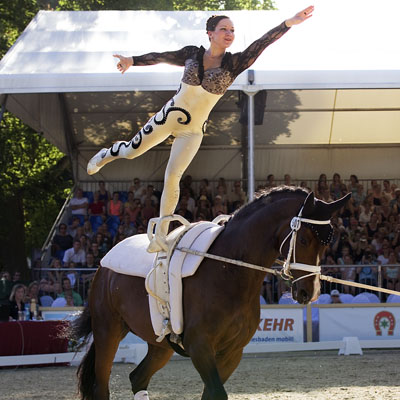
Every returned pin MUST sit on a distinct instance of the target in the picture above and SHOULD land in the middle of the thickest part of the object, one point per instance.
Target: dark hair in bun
(212, 22)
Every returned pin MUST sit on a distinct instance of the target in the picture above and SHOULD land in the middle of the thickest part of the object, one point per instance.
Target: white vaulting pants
(185, 117)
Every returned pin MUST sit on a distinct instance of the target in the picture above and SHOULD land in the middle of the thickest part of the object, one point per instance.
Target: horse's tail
(81, 331)
(81, 328)
(86, 375)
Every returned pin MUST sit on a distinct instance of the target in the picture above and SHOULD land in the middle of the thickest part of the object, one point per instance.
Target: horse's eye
(303, 241)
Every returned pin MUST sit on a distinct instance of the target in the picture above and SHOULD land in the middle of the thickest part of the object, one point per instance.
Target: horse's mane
(266, 196)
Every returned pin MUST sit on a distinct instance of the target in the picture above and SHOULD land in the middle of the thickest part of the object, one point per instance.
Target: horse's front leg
(227, 362)
(203, 358)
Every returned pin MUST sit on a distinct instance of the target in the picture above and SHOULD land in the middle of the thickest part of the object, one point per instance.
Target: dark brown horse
(221, 301)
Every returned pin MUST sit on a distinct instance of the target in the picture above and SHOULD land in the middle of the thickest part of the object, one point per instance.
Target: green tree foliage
(33, 173)
(214, 5)
(94, 5)
(14, 16)
(166, 5)
(35, 180)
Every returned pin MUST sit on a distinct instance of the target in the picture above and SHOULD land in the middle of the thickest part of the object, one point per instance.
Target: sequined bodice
(215, 80)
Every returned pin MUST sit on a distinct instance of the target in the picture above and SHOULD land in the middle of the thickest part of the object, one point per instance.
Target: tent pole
(69, 138)
(250, 143)
(250, 163)
(3, 107)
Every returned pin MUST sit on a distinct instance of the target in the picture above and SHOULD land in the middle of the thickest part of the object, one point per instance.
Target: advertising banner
(279, 326)
(378, 323)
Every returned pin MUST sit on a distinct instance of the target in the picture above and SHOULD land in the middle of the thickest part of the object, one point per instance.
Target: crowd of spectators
(15, 294)
(366, 234)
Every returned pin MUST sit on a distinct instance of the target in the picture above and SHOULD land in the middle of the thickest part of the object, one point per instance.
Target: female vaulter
(207, 76)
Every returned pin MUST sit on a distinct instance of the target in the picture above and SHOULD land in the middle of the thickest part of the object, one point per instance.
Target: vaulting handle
(221, 218)
(156, 222)
(149, 291)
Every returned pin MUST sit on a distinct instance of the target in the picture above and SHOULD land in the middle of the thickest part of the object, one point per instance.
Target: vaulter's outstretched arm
(242, 61)
(169, 57)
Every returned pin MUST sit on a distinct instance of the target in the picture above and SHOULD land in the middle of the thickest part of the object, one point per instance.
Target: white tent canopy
(333, 88)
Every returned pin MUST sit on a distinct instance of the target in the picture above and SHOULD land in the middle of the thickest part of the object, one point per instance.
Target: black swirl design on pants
(180, 120)
(137, 140)
(147, 129)
(134, 142)
(204, 127)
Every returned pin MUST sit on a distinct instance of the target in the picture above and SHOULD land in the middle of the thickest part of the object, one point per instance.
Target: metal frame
(3, 106)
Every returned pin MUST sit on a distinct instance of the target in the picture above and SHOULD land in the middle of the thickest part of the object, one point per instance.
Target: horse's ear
(338, 204)
(309, 204)
(319, 209)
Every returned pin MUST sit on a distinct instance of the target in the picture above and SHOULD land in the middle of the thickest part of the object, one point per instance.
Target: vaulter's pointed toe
(93, 165)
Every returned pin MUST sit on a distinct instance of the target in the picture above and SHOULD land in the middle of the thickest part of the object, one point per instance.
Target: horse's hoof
(142, 395)
(93, 166)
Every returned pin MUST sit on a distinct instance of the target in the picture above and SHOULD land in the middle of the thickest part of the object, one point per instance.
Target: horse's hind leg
(108, 331)
(155, 359)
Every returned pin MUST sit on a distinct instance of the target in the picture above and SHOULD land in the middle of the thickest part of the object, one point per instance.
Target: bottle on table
(27, 312)
(33, 310)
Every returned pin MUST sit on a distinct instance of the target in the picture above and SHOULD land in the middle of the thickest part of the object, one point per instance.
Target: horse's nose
(303, 297)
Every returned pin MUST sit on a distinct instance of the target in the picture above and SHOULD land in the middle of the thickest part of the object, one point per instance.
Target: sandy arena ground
(311, 375)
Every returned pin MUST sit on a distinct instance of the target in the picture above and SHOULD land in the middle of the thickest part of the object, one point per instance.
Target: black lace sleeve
(243, 60)
(169, 57)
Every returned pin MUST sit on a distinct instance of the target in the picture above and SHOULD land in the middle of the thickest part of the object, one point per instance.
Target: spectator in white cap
(219, 207)
(335, 296)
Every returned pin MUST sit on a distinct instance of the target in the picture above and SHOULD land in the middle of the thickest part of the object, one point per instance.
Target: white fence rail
(280, 330)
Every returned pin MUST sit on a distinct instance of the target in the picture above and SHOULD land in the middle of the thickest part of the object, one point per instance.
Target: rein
(228, 260)
(287, 266)
(295, 225)
(279, 273)
(296, 266)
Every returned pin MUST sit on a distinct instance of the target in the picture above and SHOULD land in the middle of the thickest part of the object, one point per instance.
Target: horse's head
(311, 232)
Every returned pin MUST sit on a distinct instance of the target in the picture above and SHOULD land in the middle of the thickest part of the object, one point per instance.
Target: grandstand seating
(346, 298)
(373, 298)
(46, 301)
(324, 298)
(361, 298)
(393, 299)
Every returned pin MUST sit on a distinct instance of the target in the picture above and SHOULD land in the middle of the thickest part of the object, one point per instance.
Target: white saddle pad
(130, 257)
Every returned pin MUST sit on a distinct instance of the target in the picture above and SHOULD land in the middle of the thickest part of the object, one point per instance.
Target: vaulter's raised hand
(300, 17)
(124, 62)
